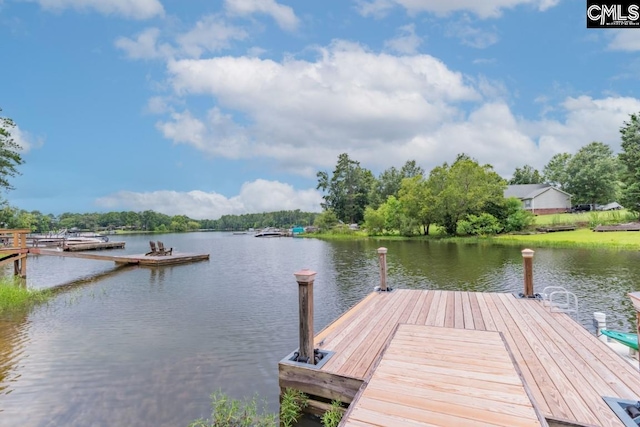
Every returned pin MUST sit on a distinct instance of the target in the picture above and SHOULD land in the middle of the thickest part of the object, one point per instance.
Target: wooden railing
(13, 247)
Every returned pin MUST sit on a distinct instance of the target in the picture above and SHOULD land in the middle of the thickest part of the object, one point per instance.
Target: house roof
(529, 191)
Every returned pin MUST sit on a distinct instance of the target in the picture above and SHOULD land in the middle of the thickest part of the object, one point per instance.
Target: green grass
(587, 218)
(14, 295)
(583, 238)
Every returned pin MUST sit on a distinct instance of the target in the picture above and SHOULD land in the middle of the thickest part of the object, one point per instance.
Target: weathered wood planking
(566, 369)
(140, 259)
(413, 386)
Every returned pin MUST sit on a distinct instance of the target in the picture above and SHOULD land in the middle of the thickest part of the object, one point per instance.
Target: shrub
(333, 416)
(479, 225)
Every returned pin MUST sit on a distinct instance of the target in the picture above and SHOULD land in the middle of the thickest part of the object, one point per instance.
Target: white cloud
(407, 41)
(136, 9)
(307, 110)
(482, 8)
(627, 40)
(210, 34)
(380, 108)
(283, 15)
(25, 140)
(144, 46)
(473, 36)
(256, 196)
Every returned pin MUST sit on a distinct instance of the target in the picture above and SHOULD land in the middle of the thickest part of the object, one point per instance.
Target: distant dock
(138, 259)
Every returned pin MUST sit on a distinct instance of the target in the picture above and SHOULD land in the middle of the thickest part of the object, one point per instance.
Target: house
(540, 199)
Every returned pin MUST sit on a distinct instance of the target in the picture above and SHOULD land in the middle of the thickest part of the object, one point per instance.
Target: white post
(600, 321)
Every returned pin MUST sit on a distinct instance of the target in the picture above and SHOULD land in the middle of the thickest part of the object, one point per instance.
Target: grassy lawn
(583, 238)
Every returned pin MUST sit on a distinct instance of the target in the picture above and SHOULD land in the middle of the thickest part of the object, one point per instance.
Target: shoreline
(582, 238)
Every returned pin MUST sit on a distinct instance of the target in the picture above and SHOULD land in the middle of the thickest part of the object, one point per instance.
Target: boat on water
(271, 232)
(626, 338)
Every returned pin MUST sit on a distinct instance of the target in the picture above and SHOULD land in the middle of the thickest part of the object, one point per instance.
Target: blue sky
(208, 108)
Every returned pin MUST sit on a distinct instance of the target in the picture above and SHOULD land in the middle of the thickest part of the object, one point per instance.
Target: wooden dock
(566, 369)
(138, 259)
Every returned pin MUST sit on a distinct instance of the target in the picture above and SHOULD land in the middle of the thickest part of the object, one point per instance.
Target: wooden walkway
(433, 376)
(566, 368)
(139, 259)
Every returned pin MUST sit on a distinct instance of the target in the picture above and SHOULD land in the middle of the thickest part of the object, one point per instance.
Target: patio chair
(154, 250)
(162, 250)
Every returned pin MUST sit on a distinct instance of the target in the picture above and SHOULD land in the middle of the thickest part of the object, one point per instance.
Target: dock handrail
(560, 300)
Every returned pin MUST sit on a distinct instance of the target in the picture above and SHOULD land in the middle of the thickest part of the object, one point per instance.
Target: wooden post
(527, 255)
(382, 257)
(305, 280)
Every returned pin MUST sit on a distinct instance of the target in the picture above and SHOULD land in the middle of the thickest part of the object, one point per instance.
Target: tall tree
(555, 172)
(630, 159)
(526, 175)
(418, 201)
(347, 189)
(390, 181)
(464, 188)
(593, 174)
(10, 157)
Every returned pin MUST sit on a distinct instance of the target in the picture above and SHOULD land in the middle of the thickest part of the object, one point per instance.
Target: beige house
(540, 199)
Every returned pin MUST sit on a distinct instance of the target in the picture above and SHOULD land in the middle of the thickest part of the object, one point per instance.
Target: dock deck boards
(424, 380)
(566, 368)
(139, 259)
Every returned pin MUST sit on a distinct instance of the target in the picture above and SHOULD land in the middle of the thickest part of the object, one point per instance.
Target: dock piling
(305, 279)
(382, 257)
(527, 256)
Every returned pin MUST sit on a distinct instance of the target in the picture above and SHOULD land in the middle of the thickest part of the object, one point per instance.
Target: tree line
(465, 197)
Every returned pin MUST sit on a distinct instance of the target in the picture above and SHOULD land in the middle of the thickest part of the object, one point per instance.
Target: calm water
(137, 346)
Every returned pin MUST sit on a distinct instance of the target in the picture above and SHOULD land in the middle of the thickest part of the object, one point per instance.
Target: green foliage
(14, 295)
(479, 225)
(373, 221)
(555, 172)
(464, 188)
(347, 190)
(390, 181)
(333, 416)
(593, 174)
(517, 219)
(526, 175)
(227, 412)
(291, 406)
(326, 220)
(417, 201)
(630, 160)
(10, 157)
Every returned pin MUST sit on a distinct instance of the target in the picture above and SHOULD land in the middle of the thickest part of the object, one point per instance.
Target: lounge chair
(154, 250)
(162, 250)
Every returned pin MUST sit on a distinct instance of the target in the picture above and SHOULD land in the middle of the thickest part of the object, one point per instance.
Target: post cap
(382, 250)
(305, 276)
(527, 253)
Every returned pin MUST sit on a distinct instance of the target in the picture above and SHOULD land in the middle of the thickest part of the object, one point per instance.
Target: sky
(207, 108)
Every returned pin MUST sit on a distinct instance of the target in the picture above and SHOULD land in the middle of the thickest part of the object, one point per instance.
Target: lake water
(136, 346)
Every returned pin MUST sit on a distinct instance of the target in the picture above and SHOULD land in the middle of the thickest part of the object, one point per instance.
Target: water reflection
(146, 346)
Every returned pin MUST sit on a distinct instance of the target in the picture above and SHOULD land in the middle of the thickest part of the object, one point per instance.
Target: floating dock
(138, 259)
(391, 373)
(92, 246)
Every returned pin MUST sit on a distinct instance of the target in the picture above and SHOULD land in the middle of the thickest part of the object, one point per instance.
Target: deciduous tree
(347, 189)
(630, 159)
(555, 172)
(592, 174)
(10, 157)
(526, 175)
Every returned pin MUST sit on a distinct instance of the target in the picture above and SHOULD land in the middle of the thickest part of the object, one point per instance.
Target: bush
(333, 416)
(293, 401)
(227, 412)
(479, 225)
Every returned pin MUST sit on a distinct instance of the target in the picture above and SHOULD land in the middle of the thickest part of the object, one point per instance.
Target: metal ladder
(560, 300)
